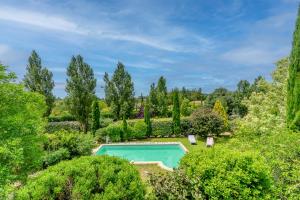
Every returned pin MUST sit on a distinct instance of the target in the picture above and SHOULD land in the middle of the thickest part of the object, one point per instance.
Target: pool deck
(159, 163)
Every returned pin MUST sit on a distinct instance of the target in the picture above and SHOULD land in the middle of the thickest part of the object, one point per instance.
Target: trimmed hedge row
(161, 127)
(62, 118)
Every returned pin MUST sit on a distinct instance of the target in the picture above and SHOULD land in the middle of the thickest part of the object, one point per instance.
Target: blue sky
(193, 43)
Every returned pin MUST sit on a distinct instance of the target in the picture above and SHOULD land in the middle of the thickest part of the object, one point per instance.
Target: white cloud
(39, 19)
(167, 37)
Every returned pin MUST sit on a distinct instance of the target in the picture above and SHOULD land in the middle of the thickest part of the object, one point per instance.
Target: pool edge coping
(159, 163)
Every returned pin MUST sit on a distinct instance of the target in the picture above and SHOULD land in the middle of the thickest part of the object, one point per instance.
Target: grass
(147, 169)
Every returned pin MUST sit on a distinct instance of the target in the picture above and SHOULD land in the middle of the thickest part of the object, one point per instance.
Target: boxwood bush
(61, 118)
(95, 177)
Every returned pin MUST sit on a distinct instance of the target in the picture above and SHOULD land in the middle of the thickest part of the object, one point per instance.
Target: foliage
(113, 131)
(206, 122)
(104, 122)
(185, 108)
(293, 86)
(60, 108)
(192, 94)
(95, 116)
(266, 109)
(218, 108)
(53, 157)
(5, 76)
(124, 132)
(162, 101)
(140, 130)
(96, 177)
(61, 118)
(176, 112)
(153, 100)
(38, 79)
(64, 125)
(80, 88)
(174, 185)
(224, 174)
(76, 143)
(20, 122)
(119, 92)
(147, 118)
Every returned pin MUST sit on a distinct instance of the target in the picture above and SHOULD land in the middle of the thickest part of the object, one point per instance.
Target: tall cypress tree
(293, 96)
(176, 112)
(162, 100)
(95, 116)
(39, 79)
(147, 117)
(80, 87)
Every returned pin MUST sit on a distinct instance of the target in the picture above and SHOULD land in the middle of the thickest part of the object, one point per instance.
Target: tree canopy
(80, 89)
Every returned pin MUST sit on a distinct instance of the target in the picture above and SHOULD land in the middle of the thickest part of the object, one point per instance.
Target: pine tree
(218, 108)
(147, 117)
(39, 79)
(293, 96)
(162, 100)
(80, 88)
(95, 116)
(119, 92)
(176, 112)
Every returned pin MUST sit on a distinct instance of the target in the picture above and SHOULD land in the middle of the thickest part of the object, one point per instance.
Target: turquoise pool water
(168, 154)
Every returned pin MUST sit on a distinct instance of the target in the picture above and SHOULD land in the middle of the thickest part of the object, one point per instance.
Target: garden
(46, 142)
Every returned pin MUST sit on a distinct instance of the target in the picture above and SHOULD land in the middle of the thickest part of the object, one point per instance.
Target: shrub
(174, 185)
(54, 157)
(226, 174)
(95, 177)
(113, 131)
(104, 122)
(139, 130)
(185, 108)
(206, 122)
(66, 125)
(56, 144)
(62, 118)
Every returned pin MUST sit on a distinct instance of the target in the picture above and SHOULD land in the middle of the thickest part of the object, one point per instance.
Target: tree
(206, 122)
(293, 91)
(185, 108)
(153, 100)
(95, 116)
(119, 92)
(218, 108)
(176, 112)
(162, 101)
(243, 88)
(80, 87)
(39, 79)
(21, 121)
(147, 117)
(125, 129)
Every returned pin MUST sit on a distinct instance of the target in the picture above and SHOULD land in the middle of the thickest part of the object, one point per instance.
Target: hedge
(61, 118)
(161, 127)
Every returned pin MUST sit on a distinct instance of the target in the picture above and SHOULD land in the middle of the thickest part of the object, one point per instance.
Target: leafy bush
(113, 131)
(206, 122)
(61, 118)
(95, 177)
(54, 157)
(185, 108)
(139, 130)
(57, 126)
(104, 122)
(226, 174)
(63, 145)
(174, 185)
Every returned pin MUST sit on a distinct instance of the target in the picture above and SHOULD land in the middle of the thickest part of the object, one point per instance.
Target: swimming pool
(166, 155)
